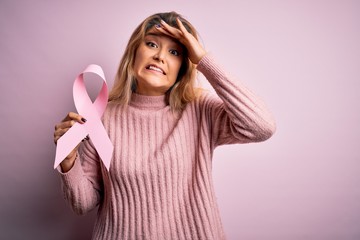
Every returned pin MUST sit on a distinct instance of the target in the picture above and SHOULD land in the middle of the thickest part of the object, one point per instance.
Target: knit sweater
(160, 185)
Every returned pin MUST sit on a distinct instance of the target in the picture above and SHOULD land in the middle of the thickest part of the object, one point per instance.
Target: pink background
(302, 57)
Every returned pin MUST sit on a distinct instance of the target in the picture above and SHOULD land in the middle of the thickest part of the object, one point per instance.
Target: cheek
(137, 61)
(139, 55)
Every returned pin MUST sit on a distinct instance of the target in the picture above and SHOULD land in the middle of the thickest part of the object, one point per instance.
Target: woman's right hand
(60, 129)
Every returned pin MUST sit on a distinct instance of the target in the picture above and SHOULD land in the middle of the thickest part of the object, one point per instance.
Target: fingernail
(162, 21)
(157, 25)
(83, 119)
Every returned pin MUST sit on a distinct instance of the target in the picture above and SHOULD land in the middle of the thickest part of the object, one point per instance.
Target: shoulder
(112, 105)
(205, 101)
(113, 108)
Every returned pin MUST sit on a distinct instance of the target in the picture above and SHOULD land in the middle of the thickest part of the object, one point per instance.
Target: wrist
(199, 56)
(68, 163)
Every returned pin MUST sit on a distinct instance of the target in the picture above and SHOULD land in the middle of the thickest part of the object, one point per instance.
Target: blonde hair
(182, 92)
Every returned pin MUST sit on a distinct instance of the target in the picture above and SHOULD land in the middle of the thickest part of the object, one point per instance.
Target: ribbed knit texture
(160, 183)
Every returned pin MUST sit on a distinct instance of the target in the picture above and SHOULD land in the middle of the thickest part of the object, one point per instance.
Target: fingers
(75, 117)
(86, 138)
(174, 32)
(166, 29)
(62, 127)
(182, 27)
(195, 50)
(66, 124)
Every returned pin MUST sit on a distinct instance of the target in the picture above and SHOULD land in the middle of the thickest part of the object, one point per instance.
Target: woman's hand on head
(60, 129)
(194, 48)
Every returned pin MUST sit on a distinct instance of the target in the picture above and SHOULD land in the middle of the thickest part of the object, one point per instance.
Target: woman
(164, 132)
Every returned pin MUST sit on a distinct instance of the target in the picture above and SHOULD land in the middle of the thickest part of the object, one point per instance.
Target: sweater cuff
(73, 175)
(204, 62)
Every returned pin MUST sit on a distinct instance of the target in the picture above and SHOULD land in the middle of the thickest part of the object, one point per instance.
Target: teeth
(156, 69)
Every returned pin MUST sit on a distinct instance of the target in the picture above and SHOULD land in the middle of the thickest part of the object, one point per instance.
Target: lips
(155, 68)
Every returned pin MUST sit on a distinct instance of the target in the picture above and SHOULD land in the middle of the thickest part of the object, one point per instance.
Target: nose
(159, 55)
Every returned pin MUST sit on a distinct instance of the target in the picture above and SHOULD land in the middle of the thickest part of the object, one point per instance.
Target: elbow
(80, 210)
(268, 134)
(81, 200)
(255, 132)
(80, 206)
(260, 132)
(266, 131)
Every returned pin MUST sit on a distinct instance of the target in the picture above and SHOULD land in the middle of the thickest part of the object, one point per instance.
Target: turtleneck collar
(148, 102)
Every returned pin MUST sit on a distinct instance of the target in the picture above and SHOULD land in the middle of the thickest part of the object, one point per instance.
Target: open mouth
(155, 68)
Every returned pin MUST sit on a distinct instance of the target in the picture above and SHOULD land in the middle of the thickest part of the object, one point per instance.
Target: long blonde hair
(182, 92)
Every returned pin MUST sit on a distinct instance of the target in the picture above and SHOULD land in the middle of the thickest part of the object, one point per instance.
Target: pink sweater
(160, 184)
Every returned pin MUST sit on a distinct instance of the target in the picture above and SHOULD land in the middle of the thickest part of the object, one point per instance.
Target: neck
(148, 102)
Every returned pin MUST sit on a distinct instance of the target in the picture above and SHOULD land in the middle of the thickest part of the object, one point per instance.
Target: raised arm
(237, 114)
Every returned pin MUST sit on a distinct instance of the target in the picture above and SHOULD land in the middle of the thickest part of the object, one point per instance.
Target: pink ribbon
(92, 112)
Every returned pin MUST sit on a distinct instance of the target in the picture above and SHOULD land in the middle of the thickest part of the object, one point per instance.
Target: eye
(151, 44)
(174, 52)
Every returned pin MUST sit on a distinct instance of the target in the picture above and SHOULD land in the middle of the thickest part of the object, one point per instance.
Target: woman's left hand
(194, 48)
